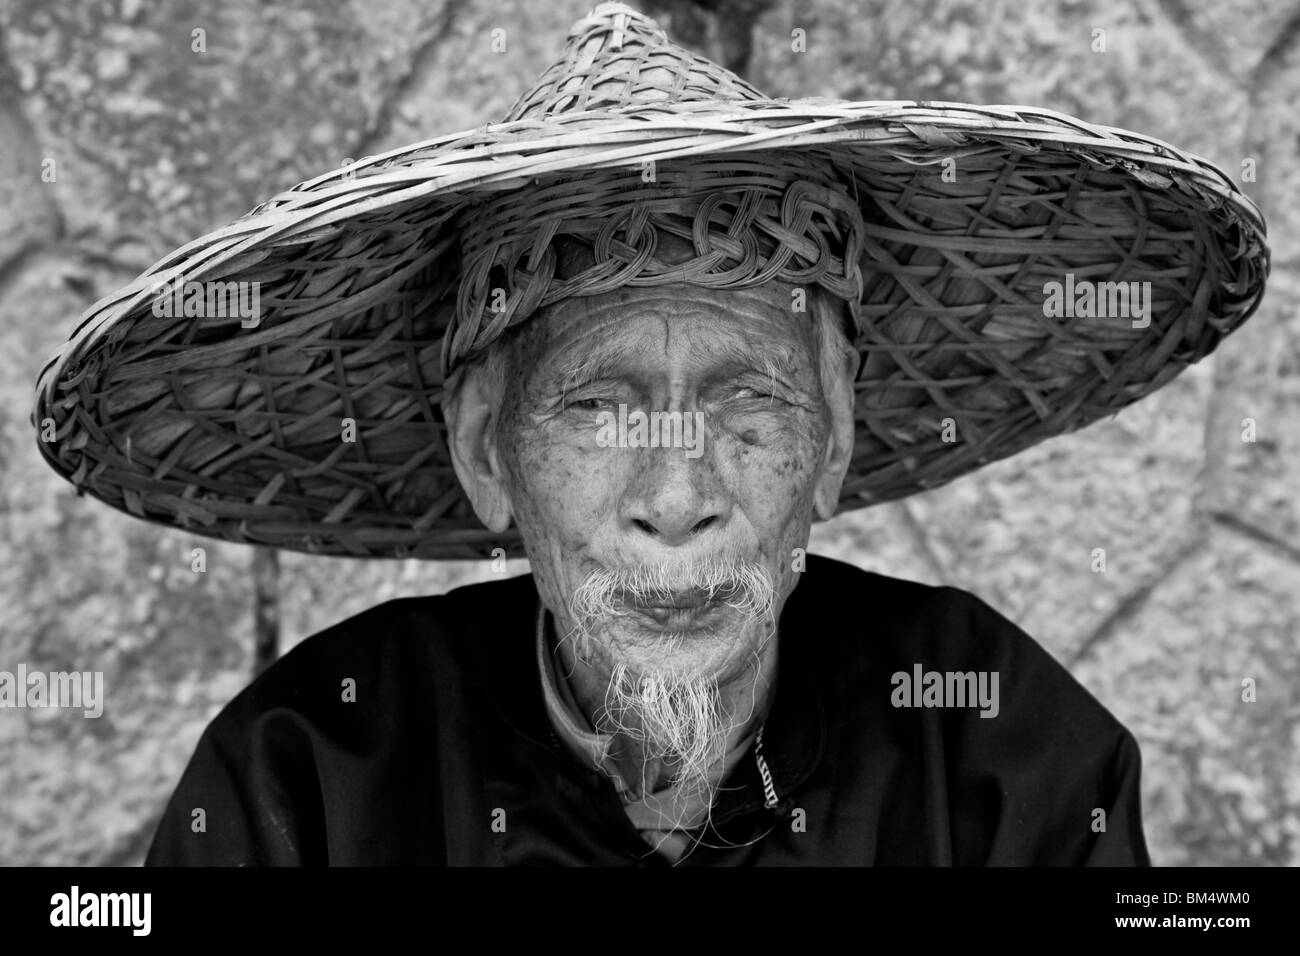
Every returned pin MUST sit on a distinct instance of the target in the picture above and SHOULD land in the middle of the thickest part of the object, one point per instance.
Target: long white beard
(676, 721)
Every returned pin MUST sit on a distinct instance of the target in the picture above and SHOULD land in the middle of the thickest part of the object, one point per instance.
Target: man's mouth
(677, 611)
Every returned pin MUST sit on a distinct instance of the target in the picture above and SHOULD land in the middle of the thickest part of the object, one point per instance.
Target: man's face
(645, 527)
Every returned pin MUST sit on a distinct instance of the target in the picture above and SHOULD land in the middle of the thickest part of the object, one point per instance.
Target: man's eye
(591, 403)
(746, 392)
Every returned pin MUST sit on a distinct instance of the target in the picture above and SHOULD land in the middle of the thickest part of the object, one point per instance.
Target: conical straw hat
(1016, 271)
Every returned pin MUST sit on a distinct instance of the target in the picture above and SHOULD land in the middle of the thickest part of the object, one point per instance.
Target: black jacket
(446, 756)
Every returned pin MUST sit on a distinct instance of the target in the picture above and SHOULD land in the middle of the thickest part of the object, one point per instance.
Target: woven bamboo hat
(1016, 271)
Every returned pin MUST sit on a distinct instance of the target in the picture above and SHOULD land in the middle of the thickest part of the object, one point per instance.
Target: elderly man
(657, 370)
(671, 682)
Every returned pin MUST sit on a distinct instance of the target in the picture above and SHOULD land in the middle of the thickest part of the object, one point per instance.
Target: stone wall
(155, 142)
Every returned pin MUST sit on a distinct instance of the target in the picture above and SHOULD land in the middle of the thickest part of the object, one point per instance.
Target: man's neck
(744, 699)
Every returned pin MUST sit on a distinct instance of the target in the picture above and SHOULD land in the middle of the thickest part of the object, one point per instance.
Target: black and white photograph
(672, 434)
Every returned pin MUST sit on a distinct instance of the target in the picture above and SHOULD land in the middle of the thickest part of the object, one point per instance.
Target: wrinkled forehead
(678, 324)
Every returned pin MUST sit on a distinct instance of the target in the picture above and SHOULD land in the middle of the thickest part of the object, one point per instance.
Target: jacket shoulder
(385, 652)
(861, 604)
(882, 626)
(1014, 751)
(349, 716)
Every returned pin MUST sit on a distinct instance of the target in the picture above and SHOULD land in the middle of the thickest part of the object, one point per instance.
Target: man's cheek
(778, 489)
(563, 486)
(780, 468)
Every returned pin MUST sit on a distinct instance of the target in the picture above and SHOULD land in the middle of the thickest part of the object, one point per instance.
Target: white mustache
(739, 584)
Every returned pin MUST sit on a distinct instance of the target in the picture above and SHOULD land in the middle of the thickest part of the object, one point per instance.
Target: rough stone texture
(154, 142)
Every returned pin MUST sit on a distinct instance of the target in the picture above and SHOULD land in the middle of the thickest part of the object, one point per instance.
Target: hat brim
(235, 433)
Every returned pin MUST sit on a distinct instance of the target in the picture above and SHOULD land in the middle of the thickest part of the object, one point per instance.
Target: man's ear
(839, 446)
(471, 416)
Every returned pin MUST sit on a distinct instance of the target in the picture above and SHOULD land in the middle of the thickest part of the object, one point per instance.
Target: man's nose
(672, 497)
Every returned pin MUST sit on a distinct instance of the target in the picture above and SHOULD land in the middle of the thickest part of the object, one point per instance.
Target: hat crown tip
(617, 57)
(609, 11)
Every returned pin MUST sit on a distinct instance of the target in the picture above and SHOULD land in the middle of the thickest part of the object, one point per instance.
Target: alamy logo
(79, 690)
(655, 430)
(75, 908)
(923, 688)
(211, 300)
(1086, 299)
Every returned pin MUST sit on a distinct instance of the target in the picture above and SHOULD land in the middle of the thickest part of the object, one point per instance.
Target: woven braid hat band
(749, 221)
(1019, 272)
